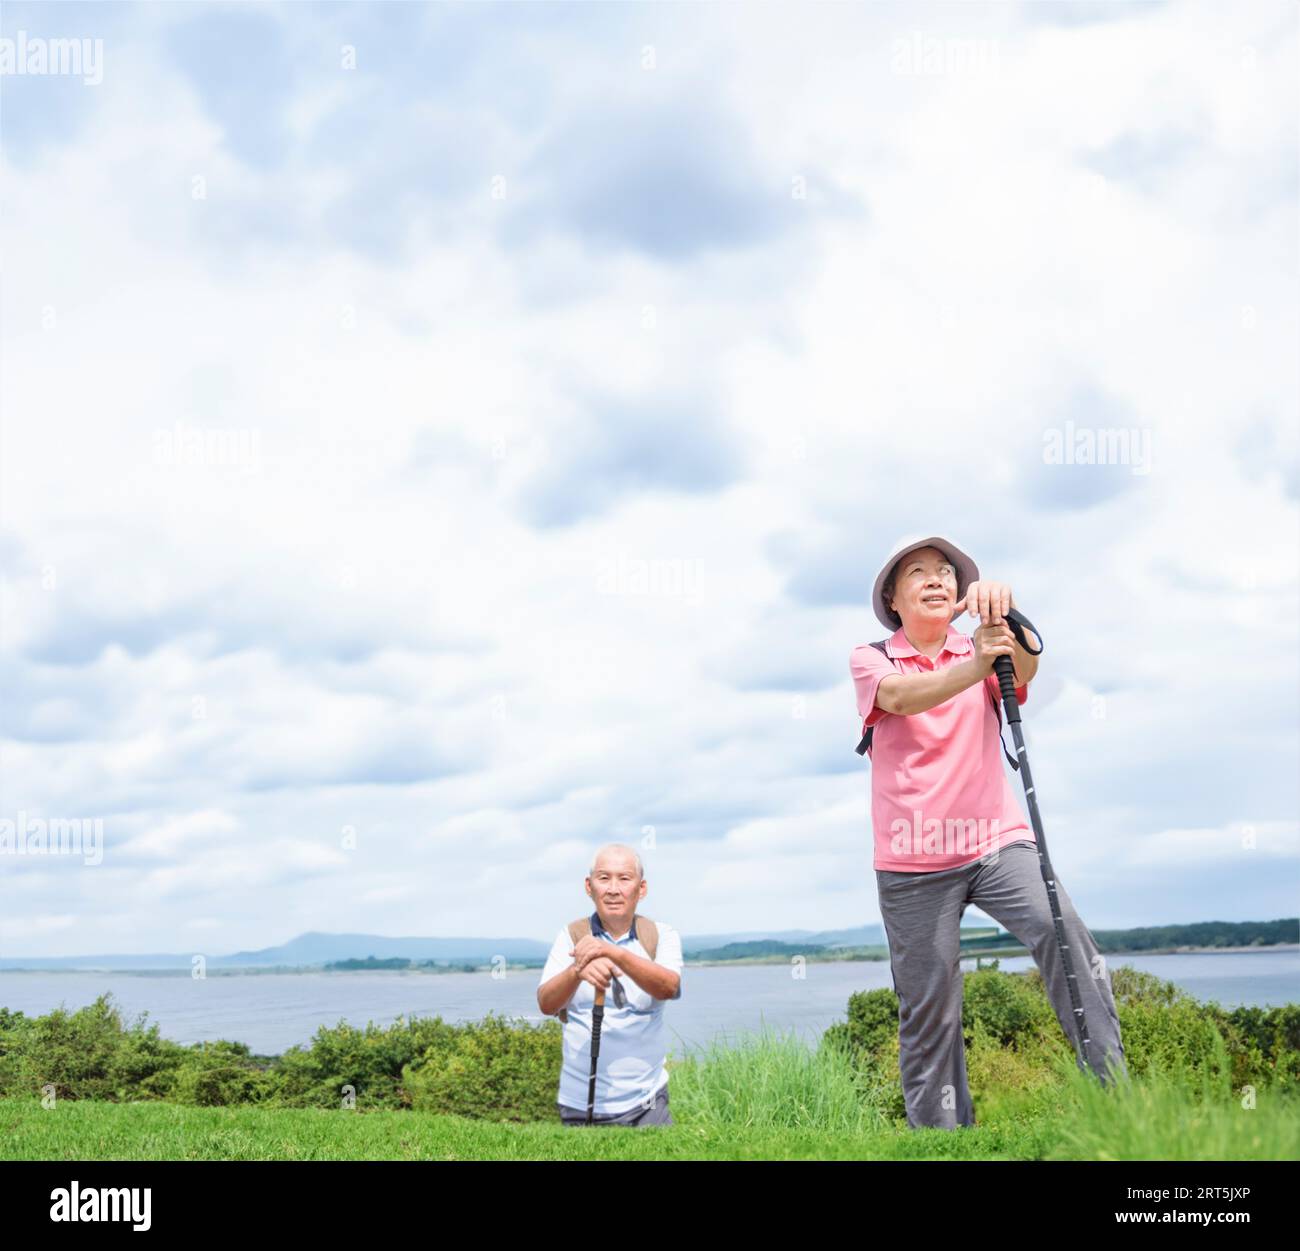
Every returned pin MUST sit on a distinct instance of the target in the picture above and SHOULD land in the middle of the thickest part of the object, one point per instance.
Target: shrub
(873, 1021)
(370, 1060)
(71, 1051)
(1131, 985)
(91, 1054)
(144, 1064)
(1264, 1044)
(1011, 1010)
(483, 1069)
(219, 1074)
(1176, 1040)
(491, 1069)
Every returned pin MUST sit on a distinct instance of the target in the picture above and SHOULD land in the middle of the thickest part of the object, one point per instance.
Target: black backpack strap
(646, 932)
(1011, 760)
(864, 747)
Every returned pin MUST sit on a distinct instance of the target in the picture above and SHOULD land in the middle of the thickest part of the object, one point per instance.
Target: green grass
(767, 1098)
(772, 1082)
(1173, 1116)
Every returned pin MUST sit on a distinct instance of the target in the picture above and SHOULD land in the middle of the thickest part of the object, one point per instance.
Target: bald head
(614, 856)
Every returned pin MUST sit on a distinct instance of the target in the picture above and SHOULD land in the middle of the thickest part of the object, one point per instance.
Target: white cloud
(1267, 840)
(434, 608)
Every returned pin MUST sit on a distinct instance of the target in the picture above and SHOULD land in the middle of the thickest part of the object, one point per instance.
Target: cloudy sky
(439, 439)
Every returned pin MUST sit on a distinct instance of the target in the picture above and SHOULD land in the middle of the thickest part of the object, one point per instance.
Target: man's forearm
(553, 995)
(910, 693)
(653, 978)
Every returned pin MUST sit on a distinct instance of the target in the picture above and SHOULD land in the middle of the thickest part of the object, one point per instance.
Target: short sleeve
(559, 959)
(669, 953)
(868, 667)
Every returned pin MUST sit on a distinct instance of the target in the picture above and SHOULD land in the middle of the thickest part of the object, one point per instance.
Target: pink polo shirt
(939, 796)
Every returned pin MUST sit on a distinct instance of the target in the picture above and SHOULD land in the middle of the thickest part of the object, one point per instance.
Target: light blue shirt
(630, 1067)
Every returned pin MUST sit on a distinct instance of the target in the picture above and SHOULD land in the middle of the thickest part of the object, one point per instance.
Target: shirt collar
(897, 645)
(598, 928)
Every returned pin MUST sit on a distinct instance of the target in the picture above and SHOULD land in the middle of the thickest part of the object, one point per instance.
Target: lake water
(272, 1012)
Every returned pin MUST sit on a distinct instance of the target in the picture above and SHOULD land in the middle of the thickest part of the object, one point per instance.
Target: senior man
(948, 829)
(639, 972)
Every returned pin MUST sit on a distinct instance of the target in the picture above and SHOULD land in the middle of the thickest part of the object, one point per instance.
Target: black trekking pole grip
(1003, 667)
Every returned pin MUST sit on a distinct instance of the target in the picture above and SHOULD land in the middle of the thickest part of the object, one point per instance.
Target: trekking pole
(1007, 682)
(597, 1015)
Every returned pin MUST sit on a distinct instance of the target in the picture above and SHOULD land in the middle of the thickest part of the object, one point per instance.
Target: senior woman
(948, 829)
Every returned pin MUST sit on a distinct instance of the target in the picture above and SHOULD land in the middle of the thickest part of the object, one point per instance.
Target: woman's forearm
(1025, 664)
(907, 693)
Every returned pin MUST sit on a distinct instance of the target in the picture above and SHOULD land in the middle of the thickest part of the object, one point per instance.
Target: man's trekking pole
(597, 1015)
(1007, 682)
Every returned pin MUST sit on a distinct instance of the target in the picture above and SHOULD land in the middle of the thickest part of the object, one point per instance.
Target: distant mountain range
(316, 948)
(860, 936)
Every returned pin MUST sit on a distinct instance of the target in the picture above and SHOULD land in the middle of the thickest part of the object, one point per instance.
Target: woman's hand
(987, 601)
(992, 641)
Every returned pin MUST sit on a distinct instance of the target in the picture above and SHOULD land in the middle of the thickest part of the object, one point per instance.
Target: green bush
(1265, 1046)
(1177, 1039)
(491, 1069)
(370, 1061)
(92, 1054)
(10, 1019)
(1131, 985)
(75, 1053)
(145, 1064)
(1260, 1044)
(13, 1026)
(1007, 1080)
(873, 1021)
(1013, 1011)
(221, 1074)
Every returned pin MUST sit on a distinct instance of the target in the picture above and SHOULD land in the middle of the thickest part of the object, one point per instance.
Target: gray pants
(922, 913)
(655, 1114)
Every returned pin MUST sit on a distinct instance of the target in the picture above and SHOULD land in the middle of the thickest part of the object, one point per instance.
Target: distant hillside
(308, 950)
(858, 936)
(315, 950)
(742, 951)
(1201, 934)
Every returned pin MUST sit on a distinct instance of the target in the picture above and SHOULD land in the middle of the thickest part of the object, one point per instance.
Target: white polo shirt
(630, 1067)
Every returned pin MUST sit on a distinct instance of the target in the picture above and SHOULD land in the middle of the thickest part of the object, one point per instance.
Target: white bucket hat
(967, 572)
